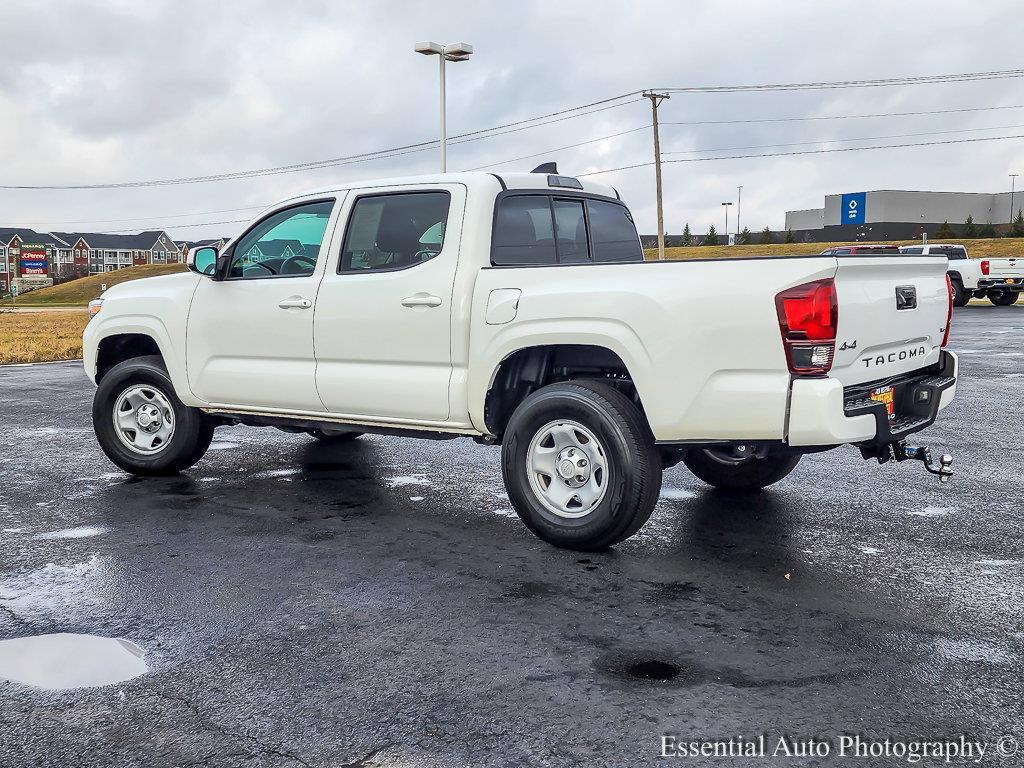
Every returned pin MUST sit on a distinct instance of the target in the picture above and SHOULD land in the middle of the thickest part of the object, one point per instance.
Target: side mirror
(203, 260)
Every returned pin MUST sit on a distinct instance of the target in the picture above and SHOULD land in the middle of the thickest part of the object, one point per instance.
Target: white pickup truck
(1001, 280)
(518, 309)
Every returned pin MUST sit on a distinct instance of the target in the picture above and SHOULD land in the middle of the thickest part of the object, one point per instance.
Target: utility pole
(739, 202)
(656, 99)
(726, 206)
(1013, 183)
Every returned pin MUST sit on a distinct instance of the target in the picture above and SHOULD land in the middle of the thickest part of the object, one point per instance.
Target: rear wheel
(580, 465)
(960, 296)
(1003, 298)
(140, 423)
(731, 469)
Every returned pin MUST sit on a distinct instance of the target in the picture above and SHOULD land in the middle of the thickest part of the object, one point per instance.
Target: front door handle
(421, 300)
(295, 302)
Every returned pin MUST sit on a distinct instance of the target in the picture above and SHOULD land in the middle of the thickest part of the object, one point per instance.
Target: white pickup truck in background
(1001, 280)
(518, 309)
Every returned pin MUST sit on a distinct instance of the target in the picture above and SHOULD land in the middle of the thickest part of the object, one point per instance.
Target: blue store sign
(852, 209)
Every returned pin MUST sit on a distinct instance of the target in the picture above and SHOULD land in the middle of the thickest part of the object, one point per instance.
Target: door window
(395, 231)
(285, 244)
(523, 232)
(613, 233)
(570, 231)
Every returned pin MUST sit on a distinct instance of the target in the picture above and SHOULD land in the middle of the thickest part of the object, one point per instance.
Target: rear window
(912, 251)
(539, 230)
(878, 251)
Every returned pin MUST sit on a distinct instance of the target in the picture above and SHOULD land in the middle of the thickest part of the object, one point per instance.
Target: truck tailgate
(892, 315)
(1003, 268)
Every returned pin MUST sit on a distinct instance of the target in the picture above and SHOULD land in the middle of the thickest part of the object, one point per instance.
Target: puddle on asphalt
(870, 550)
(654, 669)
(416, 498)
(403, 480)
(64, 661)
(222, 445)
(504, 512)
(676, 494)
(81, 532)
(933, 512)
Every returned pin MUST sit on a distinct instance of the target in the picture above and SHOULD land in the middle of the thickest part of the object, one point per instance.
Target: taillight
(984, 266)
(808, 317)
(949, 308)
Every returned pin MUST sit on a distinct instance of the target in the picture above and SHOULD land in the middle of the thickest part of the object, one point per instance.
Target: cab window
(285, 244)
(394, 231)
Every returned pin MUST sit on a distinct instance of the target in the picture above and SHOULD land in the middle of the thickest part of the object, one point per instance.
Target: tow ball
(900, 451)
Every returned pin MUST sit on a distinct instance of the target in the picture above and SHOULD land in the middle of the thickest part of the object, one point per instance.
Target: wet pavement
(379, 604)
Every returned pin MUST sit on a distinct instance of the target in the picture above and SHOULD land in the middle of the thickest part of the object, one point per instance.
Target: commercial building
(33, 259)
(887, 214)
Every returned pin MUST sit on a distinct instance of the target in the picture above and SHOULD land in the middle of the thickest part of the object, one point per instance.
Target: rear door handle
(296, 302)
(421, 300)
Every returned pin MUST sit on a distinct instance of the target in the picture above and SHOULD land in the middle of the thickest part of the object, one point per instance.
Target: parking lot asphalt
(379, 603)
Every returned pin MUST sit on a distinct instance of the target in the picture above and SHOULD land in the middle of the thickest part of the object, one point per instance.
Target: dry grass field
(989, 248)
(78, 293)
(33, 337)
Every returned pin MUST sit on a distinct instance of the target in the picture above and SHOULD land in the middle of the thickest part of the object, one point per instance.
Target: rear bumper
(989, 283)
(823, 412)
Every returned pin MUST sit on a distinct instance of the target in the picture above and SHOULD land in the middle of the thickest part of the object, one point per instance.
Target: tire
(604, 437)
(749, 475)
(1003, 298)
(334, 437)
(960, 296)
(144, 380)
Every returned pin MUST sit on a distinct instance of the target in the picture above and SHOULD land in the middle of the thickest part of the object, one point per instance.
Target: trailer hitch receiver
(900, 451)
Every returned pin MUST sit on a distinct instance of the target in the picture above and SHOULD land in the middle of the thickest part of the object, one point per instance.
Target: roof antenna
(546, 168)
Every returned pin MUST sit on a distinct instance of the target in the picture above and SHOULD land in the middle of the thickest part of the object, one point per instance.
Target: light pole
(1013, 183)
(739, 203)
(726, 206)
(450, 52)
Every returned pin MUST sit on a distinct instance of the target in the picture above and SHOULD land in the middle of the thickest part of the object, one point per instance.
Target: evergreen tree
(789, 236)
(987, 230)
(744, 238)
(687, 237)
(766, 236)
(945, 232)
(1017, 228)
(970, 230)
(712, 238)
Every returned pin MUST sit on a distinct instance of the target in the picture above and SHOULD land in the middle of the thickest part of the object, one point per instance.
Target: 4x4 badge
(848, 345)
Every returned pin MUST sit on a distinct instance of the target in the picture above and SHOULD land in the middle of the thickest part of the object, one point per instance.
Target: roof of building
(27, 236)
(275, 248)
(143, 241)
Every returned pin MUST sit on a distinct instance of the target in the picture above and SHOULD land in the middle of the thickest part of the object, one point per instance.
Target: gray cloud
(120, 90)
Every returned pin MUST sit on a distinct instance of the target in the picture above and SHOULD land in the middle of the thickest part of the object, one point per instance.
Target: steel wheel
(143, 419)
(568, 468)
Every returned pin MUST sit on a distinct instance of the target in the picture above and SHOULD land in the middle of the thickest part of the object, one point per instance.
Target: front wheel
(1003, 298)
(141, 424)
(729, 470)
(580, 465)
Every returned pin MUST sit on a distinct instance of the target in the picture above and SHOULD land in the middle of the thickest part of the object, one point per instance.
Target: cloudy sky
(122, 90)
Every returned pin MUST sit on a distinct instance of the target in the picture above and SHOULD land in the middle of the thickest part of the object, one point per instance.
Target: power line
(178, 226)
(146, 218)
(862, 138)
(560, 149)
(520, 125)
(961, 77)
(839, 117)
(804, 152)
(564, 114)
